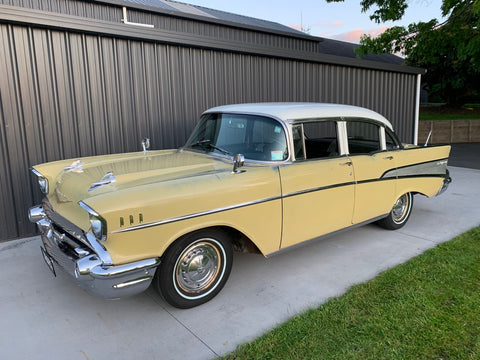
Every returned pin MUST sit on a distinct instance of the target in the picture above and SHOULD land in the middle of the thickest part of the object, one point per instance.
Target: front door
(318, 188)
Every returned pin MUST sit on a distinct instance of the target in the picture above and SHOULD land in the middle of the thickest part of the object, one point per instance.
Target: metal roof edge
(38, 18)
(207, 19)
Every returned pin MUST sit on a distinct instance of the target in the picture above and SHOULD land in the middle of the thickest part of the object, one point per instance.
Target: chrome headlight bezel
(42, 181)
(98, 225)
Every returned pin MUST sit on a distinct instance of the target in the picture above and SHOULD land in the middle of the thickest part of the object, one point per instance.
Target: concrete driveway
(50, 318)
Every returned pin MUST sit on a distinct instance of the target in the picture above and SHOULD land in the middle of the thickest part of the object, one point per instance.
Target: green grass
(426, 308)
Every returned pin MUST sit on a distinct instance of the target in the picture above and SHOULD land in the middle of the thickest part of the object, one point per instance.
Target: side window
(320, 139)
(391, 142)
(363, 137)
(297, 133)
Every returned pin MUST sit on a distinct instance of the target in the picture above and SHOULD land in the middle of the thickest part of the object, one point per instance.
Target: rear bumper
(446, 181)
(91, 270)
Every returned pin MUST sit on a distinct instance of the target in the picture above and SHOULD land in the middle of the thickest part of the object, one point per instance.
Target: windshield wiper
(207, 143)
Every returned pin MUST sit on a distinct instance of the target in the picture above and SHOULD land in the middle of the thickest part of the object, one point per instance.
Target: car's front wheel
(400, 213)
(195, 268)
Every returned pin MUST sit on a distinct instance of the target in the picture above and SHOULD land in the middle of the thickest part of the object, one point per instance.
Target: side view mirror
(145, 144)
(238, 162)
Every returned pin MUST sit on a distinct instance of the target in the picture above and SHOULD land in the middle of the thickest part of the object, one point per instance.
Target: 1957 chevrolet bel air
(252, 177)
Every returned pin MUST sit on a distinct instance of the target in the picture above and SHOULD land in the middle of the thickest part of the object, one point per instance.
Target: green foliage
(450, 52)
(426, 308)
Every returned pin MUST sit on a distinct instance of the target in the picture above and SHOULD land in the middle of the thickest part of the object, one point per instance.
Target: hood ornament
(108, 178)
(75, 167)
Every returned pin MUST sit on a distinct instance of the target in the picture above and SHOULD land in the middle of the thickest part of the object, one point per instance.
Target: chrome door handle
(349, 163)
(388, 158)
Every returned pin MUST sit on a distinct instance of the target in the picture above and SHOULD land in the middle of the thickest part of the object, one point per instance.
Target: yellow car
(252, 177)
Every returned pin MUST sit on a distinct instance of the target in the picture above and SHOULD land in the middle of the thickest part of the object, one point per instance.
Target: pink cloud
(354, 35)
(335, 24)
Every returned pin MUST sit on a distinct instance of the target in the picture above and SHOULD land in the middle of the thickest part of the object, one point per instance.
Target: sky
(341, 21)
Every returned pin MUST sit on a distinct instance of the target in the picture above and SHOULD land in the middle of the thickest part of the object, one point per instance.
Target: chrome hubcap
(400, 208)
(198, 267)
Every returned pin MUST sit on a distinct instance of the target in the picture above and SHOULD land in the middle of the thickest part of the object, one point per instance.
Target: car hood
(82, 179)
(88, 177)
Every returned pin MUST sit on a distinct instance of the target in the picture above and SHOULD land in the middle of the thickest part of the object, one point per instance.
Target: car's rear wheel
(195, 268)
(399, 214)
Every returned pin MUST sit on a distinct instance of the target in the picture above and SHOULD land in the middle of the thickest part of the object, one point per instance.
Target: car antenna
(428, 138)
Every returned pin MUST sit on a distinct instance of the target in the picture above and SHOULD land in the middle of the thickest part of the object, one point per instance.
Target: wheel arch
(240, 241)
(422, 185)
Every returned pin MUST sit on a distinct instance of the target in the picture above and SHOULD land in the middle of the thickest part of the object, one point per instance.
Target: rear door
(371, 159)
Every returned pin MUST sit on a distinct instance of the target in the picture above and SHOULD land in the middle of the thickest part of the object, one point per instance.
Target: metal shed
(82, 77)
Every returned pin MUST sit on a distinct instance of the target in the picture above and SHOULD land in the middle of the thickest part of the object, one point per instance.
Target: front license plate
(48, 260)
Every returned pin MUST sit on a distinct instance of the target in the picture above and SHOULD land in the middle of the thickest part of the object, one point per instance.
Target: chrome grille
(55, 249)
(62, 225)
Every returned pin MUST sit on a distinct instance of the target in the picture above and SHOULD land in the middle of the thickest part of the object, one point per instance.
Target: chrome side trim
(99, 249)
(306, 191)
(88, 208)
(36, 172)
(102, 271)
(431, 168)
(226, 208)
(435, 168)
(132, 282)
(201, 213)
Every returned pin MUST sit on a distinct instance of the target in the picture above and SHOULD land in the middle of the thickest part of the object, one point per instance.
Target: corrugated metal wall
(66, 94)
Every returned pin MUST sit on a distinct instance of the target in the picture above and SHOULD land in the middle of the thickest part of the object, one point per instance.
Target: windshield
(255, 137)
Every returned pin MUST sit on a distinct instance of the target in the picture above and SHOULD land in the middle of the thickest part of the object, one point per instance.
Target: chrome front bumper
(83, 258)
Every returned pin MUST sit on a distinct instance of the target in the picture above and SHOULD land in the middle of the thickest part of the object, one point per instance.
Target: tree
(450, 51)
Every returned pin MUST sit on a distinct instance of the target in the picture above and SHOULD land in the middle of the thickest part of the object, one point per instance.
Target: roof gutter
(206, 19)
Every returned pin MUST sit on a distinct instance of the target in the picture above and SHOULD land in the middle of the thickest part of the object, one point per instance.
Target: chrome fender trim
(112, 271)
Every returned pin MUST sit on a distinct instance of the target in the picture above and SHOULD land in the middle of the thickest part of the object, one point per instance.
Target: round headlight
(98, 225)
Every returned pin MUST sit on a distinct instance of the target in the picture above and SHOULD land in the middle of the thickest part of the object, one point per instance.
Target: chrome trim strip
(132, 282)
(388, 175)
(201, 213)
(36, 172)
(88, 208)
(435, 168)
(101, 271)
(306, 191)
(99, 249)
(226, 208)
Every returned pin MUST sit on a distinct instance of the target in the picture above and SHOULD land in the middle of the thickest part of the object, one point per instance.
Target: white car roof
(301, 111)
